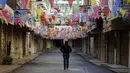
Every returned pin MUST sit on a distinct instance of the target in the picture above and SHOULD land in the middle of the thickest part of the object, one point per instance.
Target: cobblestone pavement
(52, 62)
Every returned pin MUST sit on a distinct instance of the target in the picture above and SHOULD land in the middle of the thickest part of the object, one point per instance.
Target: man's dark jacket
(66, 49)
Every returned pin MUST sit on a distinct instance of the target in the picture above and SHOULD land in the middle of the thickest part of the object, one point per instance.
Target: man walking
(66, 49)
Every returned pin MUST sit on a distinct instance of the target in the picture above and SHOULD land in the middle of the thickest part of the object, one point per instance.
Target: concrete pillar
(84, 45)
(12, 43)
(102, 51)
(88, 45)
(1, 30)
(48, 44)
(27, 43)
(32, 43)
(70, 42)
(92, 46)
(20, 46)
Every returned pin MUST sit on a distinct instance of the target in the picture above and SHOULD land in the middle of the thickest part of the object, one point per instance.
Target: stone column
(20, 46)
(12, 42)
(84, 45)
(1, 30)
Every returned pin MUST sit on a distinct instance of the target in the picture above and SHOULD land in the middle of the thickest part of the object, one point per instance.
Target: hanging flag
(39, 11)
(90, 12)
(104, 2)
(123, 12)
(3, 3)
(1, 7)
(67, 11)
(6, 16)
(110, 5)
(51, 3)
(75, 9)
(93, 2)
(27, 3)
(47, 3)
(53, 17)
(128, 1)
(70, 3)
(57, 9)
(78, 2)
(23, 4)
(115, 10)
(106, 12)
(111, 15)
(60, 21)
(117, 2)
(81, 9)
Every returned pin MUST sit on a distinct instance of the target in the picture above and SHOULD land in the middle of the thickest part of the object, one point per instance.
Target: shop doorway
(124, 52)
(58, 43)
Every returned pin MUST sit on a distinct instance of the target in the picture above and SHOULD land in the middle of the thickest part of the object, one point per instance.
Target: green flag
(47, 3)
(111, 15)
(75, 9)
(78, 2)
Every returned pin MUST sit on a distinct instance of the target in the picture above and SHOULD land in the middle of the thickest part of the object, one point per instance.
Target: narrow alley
(35, 33)
(52, 62)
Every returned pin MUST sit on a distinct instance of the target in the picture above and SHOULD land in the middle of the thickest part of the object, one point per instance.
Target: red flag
(129, 15)
(60, 21)
(70, 3)
(50, 19)
(106, 12)
(80, 9)
(53, 17)
(104, 2)
(52, 3)
(57, 9)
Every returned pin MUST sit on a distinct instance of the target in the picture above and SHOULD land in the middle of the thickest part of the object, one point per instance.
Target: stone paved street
(52, 62)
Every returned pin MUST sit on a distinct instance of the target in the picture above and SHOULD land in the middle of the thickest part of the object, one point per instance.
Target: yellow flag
(6, 22)
(39, 12)
(58, 35)
(102, 14)
(128, 1)
(33, 26)
(123, 12)
(46, 18)
(68, 17)
(23, 24)
(102, 8)
(20, 25)
(93, 2)
(68, 11)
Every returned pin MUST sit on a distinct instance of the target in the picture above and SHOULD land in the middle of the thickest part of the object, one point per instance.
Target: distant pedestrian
(66, 49)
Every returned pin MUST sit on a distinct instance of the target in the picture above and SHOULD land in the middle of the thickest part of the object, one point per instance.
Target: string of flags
(39, 22)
